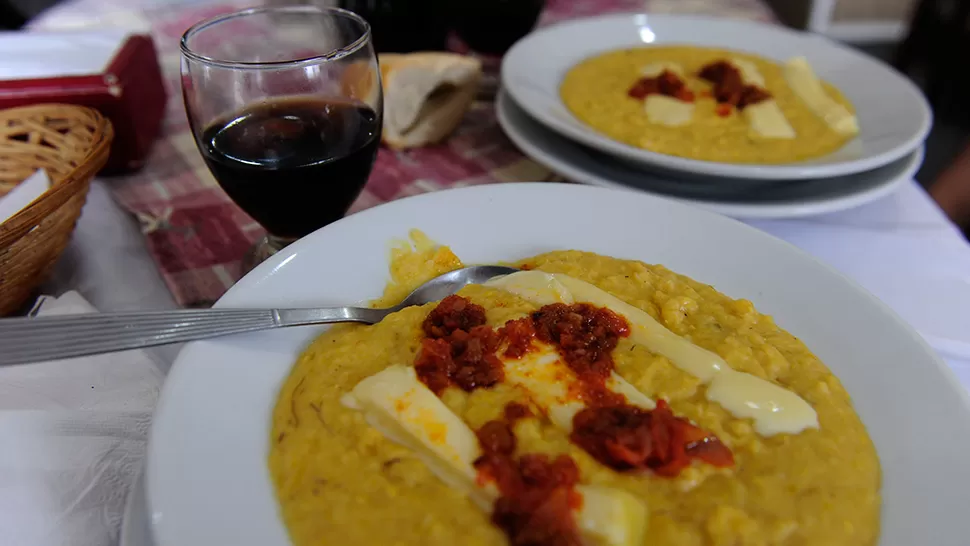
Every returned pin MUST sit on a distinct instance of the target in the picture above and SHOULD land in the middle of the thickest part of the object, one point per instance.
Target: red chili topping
(729, 88)
(519, 334)
(667, 83)
(628, 438)
(453, 313)
(515, 411)
(538, 493)
(585, 336)
(459, 349)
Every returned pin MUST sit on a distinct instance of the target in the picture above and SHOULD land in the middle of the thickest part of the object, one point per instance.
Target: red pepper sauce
(615, 433)
(459, 348)
(628, 438)
(518, 334)
(585, 337)
(667, 83)
(729, 88)
(537, 493)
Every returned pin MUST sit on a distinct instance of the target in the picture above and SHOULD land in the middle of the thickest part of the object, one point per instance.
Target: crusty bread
(426, 95)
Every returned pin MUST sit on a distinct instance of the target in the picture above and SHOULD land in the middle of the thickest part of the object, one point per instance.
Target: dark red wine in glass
(294, 165)
(285, 105)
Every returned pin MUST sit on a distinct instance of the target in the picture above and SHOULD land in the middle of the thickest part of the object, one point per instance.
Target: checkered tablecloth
(197, 236)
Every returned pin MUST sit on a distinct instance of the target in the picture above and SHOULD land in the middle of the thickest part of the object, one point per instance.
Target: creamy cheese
(402, 408)
(765, 118)
(806, 85)
(773, 408)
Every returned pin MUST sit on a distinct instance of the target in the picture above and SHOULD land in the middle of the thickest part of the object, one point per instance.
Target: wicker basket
(71, 143)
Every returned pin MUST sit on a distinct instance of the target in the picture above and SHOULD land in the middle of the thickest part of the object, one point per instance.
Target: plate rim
(592, 138)
(252, 281)
(737, 210)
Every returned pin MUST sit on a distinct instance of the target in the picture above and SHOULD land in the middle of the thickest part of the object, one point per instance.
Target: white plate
(208, 482)
(893, 114)
(733, 197)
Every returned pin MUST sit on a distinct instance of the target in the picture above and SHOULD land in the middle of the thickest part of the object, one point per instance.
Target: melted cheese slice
(406, 412)
(750, 74)
(538, 287)
(402, 408)
(668, 111)
(661, 109)
(803, 81)
(773, 408)
(554, 387)
(765, 118)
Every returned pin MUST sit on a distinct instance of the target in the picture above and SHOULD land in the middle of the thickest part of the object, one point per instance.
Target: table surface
(901, 248)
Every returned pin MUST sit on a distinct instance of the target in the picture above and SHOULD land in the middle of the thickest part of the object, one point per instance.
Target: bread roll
(425, 96)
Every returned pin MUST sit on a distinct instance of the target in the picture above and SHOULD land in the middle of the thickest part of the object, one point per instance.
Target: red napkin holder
(130, 93)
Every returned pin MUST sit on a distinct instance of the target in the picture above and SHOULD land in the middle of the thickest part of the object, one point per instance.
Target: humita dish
(710, 104)
(586, 400)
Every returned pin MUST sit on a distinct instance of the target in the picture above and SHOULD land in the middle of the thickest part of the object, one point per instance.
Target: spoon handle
(24, 340)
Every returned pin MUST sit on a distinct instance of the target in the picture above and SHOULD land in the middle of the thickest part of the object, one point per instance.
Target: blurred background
(916, 36)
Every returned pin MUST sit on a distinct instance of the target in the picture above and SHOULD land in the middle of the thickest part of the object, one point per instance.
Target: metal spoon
(24, 340)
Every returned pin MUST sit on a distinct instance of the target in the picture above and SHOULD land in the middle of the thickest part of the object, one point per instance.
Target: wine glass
(285, 105)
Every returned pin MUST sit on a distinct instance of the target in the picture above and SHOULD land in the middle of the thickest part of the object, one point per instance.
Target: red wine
(294, 165)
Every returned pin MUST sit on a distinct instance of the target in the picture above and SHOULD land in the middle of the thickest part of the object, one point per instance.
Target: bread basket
(71, 143)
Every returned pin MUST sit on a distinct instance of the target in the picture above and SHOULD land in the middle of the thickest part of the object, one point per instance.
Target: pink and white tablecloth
(197, 236)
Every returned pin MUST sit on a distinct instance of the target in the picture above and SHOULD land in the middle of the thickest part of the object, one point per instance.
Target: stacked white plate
(893, 115)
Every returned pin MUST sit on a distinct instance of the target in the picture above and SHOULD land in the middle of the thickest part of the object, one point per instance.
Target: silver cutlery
(24, 340)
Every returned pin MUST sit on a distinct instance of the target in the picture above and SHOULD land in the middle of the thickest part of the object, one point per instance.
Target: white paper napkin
(23, 194)
(74, 435)
(25, 55)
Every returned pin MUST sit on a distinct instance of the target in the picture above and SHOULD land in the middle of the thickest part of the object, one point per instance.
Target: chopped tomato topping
(515, 411)
(585, 337)
(537, 493)
(627, 438)
(667, 83)
(459, 349)
(729, 88)
(519, 335)
(453, 313)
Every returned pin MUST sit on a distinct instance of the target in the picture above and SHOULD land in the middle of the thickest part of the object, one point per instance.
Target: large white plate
(893, 114)
(734, 197)
(208, 483)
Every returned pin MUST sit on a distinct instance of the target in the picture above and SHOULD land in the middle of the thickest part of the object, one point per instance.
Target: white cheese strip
(803, 81)
(611, 517)
(765, 118)
(668, 111)
(402, 408)
(536, 286)
(648, 332)
(750, 74)
(653, 70)
(661, 109)
(554, 387)
(773, 408)
(745, 395)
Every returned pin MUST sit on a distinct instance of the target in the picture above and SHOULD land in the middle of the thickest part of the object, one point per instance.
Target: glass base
(262, 250)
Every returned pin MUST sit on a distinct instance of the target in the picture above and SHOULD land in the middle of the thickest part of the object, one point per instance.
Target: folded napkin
(23, 194)
(74, 435)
